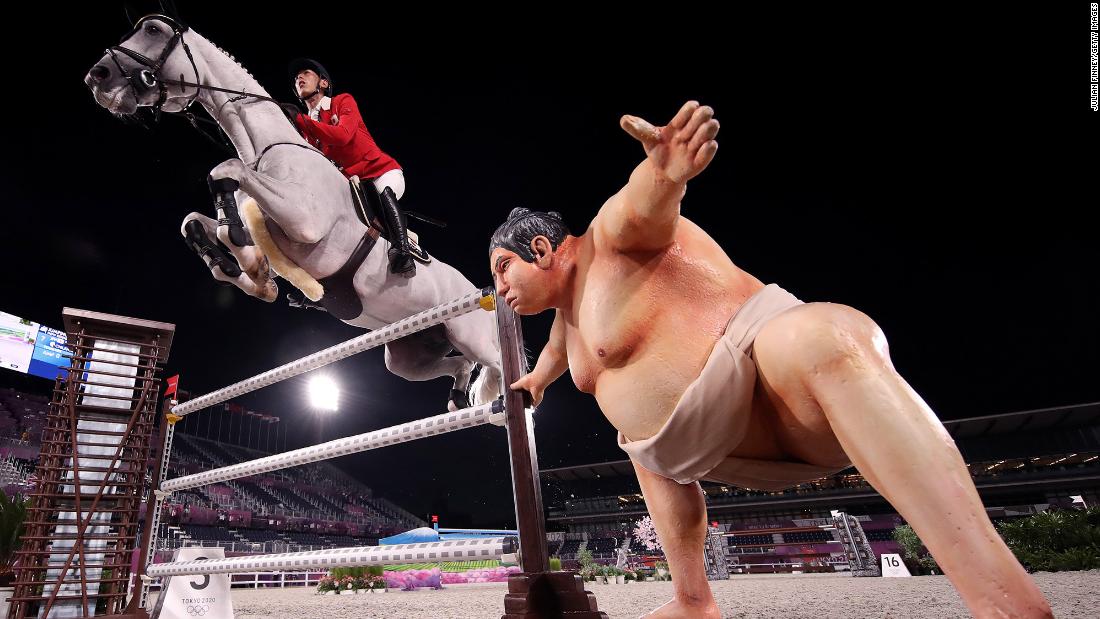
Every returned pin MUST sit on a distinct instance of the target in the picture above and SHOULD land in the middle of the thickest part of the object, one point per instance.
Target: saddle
(340, 298)
(367, 208)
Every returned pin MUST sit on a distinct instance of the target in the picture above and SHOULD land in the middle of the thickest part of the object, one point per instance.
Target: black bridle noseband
(149, 76)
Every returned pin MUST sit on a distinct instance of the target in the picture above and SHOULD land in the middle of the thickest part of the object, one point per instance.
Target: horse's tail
(486, 386)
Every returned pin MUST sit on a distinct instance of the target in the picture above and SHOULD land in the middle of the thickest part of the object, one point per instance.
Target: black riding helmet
(298, 65)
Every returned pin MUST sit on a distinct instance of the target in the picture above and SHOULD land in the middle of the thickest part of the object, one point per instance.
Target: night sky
(934, 172)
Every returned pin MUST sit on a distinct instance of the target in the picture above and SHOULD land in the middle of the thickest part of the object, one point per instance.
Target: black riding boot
(401, 260)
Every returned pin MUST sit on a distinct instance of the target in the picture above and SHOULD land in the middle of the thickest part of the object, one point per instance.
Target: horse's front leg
(227, 195)
(237, 235)
(305, 211)
(200, 233)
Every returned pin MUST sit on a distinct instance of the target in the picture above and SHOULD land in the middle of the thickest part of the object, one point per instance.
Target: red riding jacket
(343, 137)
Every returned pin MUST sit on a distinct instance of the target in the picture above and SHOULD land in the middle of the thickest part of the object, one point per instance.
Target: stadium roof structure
(1030, 421)
(1038, 420)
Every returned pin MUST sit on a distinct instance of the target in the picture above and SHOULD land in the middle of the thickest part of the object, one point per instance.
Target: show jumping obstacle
(534, 593)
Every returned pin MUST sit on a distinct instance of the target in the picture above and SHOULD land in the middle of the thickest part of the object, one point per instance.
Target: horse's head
(145, 69)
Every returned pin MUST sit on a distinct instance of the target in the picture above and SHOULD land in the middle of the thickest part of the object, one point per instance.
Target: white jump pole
(394, 554)
(481, 299)
(402, 433)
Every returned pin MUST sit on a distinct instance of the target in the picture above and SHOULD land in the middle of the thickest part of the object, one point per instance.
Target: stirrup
(416, 251)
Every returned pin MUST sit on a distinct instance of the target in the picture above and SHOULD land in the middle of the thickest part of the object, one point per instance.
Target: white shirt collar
(315, 112)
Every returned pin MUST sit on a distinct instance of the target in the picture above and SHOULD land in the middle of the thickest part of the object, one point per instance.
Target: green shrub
(1055, 541)
(917, 558)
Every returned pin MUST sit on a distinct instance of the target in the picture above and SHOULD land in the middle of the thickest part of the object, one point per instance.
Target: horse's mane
(138, 117)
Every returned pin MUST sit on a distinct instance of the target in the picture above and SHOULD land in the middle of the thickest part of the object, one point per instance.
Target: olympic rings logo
(197, 610)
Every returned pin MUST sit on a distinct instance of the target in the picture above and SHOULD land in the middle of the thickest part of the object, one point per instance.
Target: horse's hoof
(197, 239)
(458, 400)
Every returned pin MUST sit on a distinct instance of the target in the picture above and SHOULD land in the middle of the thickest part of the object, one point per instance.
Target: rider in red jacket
(334, 126)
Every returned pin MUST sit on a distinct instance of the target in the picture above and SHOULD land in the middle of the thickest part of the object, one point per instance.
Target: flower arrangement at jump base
(408, 580)
(495, 574)
(351, 580)
(615, 575)
(414, 576)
